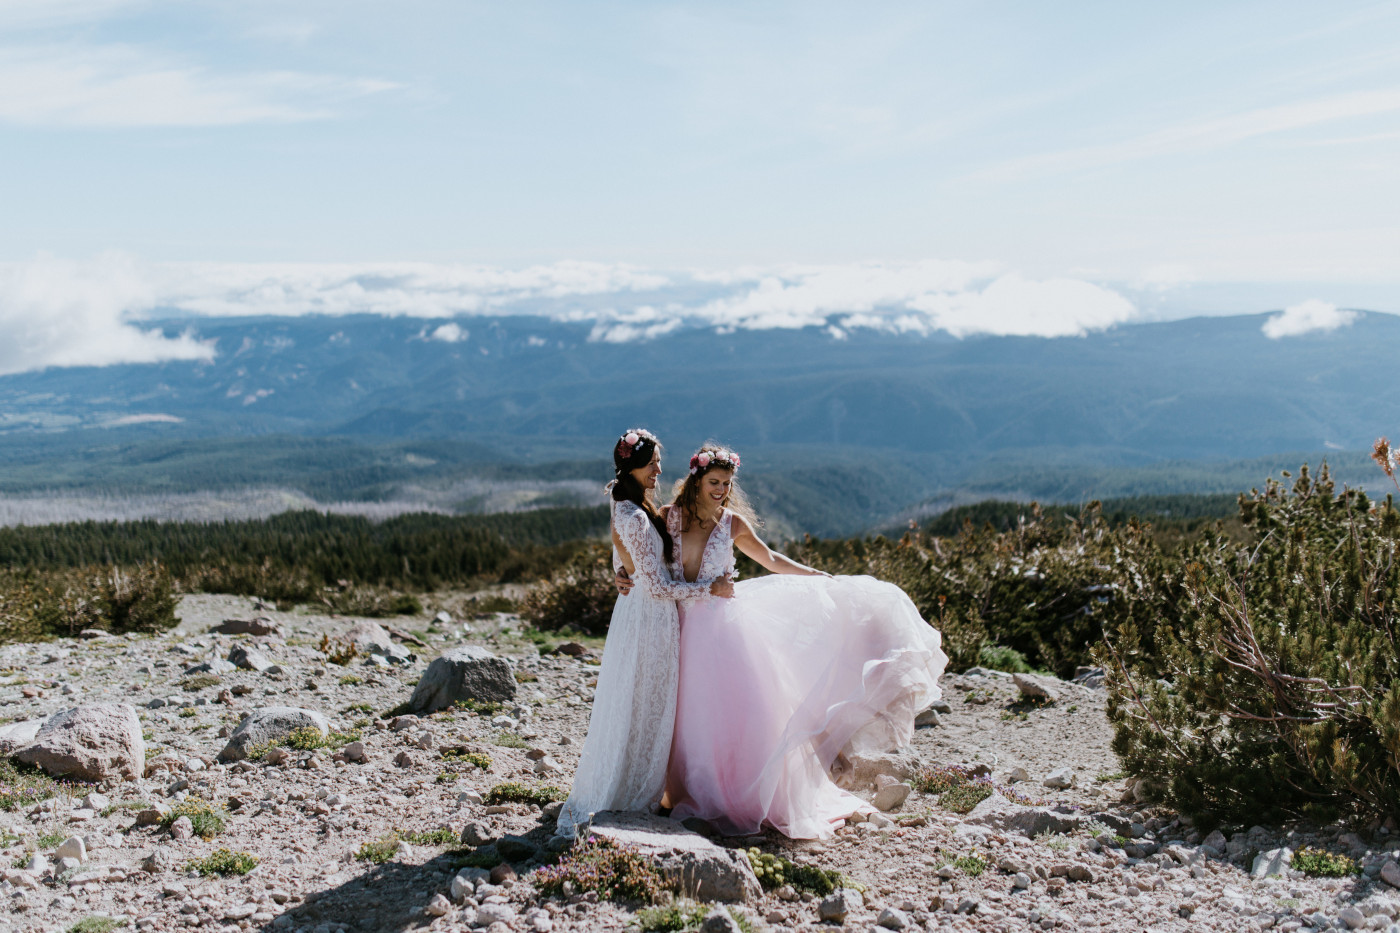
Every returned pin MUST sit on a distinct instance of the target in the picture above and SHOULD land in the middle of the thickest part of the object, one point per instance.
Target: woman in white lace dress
(623, 766)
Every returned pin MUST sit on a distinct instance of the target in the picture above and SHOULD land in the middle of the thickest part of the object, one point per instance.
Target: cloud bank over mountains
(56, 312)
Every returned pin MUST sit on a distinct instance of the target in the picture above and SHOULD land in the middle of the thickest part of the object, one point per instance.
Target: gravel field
(1057, 848)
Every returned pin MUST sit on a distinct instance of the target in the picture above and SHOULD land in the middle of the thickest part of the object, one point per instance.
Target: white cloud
(78, 85)
(959, 297)
(1012, 305)
(618, 302)
(450, 333)
(1307, 317)
(406, 288)
(62, 313)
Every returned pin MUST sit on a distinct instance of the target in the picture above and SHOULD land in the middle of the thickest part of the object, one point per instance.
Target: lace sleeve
(651, 576)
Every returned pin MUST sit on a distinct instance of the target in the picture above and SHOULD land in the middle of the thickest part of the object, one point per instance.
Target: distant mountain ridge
(904, 417)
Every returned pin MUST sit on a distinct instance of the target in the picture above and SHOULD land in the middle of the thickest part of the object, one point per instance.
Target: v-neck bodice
(717, 556)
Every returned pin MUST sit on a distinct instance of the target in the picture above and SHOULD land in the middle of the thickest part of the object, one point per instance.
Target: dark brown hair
(628, 457)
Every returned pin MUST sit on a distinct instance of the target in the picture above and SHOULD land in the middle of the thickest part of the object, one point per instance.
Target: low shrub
(97, 923)
(225, 862)
(580, 594)
(675, 917)
(196, 682)
(612, 871)
(22, 785)
(519, 793)
(380, 850)
(207, 820)
(457, 753)
(1319, 863)
(441, 836)
(964, 797)
(774, 871)
(1273, 692)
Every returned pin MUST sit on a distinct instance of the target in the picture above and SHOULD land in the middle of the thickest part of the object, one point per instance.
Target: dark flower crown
(721, 457)
(627, 444)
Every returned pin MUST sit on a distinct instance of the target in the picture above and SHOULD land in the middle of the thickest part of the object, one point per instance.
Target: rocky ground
(1056, 848)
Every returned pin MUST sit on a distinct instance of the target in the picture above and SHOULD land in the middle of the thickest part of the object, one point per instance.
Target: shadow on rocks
(389, 897)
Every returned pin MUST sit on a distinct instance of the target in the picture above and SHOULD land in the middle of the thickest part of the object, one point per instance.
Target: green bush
(580, 594)
(207, 820)
(611, 871)
(519, 793)
(1319, 863)
(97, 924)
(1274, 689)
(774, 871)
(224, 862)
(1041, 592)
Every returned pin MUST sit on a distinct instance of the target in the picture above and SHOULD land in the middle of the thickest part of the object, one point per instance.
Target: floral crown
(727, 459)
(627, 444)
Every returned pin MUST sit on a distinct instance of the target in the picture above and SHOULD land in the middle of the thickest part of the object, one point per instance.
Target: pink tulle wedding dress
(778, 681)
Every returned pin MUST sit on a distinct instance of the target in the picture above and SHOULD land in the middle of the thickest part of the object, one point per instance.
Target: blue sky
(1166, 149)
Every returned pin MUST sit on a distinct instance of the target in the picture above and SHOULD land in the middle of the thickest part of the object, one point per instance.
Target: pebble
(439, 906)
(1059, 779)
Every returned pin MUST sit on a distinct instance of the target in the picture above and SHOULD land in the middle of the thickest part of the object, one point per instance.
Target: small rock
(355, 751)
(16, 735)
(1390, 873)
(403, 760)
(547, 765)
(403, 723)
(1352, 917)
(891, 796)
(1037, 687)
(1059, 779)
(240, 912)
(836, 905)
(928, 717)
(95, 801)
(212, 666)
(719, 921)
(1017, 775)
(249, 659)
(425, 740)
(503, 873)
(72, 847)
(1272, 863)
(160, 860)
(182, 829)
(488, 914)
(892, 919)
(1020, 881)
(439, 906)
(476, 834)
(68, 864)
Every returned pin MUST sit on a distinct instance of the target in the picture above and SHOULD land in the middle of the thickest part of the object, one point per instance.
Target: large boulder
(16, 735)
(461, 674)
(688, 860)
(269, 725)
(89, 743)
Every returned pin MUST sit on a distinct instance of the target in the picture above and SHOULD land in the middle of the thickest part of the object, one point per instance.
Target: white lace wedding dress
(623, 766)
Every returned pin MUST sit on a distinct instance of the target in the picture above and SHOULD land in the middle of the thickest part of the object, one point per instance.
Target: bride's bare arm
(752, 545)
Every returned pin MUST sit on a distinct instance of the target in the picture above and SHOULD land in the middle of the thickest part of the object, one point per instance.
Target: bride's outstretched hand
(723, 587)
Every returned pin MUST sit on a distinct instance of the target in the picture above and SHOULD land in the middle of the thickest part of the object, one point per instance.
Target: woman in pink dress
(777, 682)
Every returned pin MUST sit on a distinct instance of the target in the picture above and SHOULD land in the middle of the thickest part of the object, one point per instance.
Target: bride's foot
(841, 767)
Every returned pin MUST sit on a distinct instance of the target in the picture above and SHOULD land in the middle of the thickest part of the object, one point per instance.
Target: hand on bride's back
(723, 587)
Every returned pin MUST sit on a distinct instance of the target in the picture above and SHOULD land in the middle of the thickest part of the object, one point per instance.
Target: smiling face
(714, 489)
(646, 475)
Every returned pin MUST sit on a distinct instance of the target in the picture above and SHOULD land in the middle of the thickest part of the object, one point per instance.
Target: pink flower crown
(627, 444)
(725, 458)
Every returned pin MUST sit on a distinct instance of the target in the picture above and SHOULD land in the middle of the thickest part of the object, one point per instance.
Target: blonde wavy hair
(687, 489)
